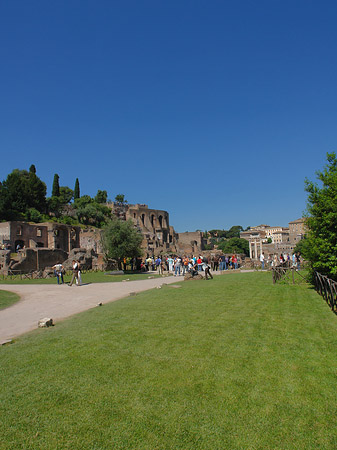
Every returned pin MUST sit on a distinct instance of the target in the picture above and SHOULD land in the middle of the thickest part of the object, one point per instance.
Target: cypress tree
(56, 186)
(77, 189)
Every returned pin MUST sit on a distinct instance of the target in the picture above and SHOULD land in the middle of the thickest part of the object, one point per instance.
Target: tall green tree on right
(321, 240)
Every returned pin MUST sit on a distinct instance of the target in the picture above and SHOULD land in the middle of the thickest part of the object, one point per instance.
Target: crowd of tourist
(288, 260)
(179, 265)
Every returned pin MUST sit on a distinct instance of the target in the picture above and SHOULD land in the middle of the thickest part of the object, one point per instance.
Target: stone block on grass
(46, 322)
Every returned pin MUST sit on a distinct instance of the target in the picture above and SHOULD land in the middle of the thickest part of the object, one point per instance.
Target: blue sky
(215, 111)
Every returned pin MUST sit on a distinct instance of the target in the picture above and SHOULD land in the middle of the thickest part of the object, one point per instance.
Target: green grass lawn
(87, 277)
(230, 364)
(7, 299)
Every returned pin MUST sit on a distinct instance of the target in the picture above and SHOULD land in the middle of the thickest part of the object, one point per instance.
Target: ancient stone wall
(5, 233)
(42, 235)
(87, 258)
(90, 238)
(61, 236)
(190, 242)
(4, 258)
(23, 234)
(38, 259)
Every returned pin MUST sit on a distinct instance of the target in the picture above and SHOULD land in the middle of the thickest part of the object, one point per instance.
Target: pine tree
(56, 186)
(77, 189)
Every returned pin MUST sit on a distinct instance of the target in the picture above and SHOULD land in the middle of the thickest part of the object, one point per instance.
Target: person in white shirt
(262, 260)
(58, 271)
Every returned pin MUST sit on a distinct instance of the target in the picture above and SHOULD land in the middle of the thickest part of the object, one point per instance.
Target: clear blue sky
(215, 111)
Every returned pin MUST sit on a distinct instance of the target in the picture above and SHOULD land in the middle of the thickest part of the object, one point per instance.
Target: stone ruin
(43, 245)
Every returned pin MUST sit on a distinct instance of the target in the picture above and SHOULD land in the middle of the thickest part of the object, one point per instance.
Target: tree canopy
(234, 231)
(120, 199)
(101, 196)
(121, 240)
(320, 247)
(234, 245)
(90, 212)
(21, 191)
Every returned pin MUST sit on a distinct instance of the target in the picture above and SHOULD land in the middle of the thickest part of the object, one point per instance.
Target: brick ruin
(42, 245)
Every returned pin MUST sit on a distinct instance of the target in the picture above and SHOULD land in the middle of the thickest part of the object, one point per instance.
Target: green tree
(20, 191)
(90, 212)
(33, 215)
(120, 199)
(321, 239)
(56, 203)
(234, 245)
(66, 195)
(101, 197)
(218, 233)
(121, 239)
(303, 246)
(234, 231)
(77, 189)
(32, 169)
(54, 206)
(56, 186)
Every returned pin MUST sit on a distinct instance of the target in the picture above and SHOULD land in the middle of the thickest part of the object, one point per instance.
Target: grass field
(87, 277)
(235, 363)
(7, 299)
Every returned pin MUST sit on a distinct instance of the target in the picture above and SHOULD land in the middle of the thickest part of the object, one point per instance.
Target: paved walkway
(61, 301)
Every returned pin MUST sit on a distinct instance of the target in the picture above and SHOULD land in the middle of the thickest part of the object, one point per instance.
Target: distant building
(283, 239)
(297, 229)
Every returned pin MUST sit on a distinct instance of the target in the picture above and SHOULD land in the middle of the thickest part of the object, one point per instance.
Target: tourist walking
(75, 273)
(79, 277)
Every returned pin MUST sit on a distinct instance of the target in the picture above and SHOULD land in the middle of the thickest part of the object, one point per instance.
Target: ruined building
(44, 244)
(50, 235)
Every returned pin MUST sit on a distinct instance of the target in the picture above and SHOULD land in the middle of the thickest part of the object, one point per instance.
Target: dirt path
(61, 301)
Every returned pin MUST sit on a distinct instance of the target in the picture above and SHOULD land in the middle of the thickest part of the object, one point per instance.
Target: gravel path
(61, 301)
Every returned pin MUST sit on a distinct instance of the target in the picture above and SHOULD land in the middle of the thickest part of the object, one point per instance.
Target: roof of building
(303, 219)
